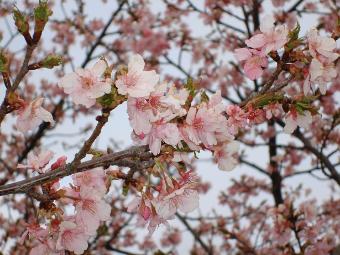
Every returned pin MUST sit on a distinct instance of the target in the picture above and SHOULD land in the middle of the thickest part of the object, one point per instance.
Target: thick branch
(275, 175)
(104, 161)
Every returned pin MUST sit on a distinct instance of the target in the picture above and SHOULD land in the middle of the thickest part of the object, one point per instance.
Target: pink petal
(242, 54)
(256, 41)
(99, 67)
(136, 64)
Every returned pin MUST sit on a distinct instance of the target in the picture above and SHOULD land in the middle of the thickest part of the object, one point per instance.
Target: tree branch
(23, 186)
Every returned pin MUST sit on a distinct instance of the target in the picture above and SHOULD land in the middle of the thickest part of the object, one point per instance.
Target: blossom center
(130, 80)
(89, 205)
(198, 123)
(86, 82)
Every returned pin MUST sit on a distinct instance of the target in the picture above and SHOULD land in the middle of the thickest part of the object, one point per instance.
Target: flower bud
(21, 21)
(41, 14)
(51, 61)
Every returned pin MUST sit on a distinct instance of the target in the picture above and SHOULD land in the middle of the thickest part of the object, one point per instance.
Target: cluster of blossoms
(72, 232)
(172, 195)
(159, 113)
(305, 222)
(321, 69)
(284, 224)
(271, 38)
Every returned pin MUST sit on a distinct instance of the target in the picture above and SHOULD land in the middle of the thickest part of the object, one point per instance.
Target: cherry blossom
(321, 74)
(201, 126)
(175, 99)
(139, 114)
(182, 157)
(225, 155)
(272, 37)
(321, 47)
(273, 110)
(205, 103)
(162, 131)
(237, 118)
(32, 115)
(183, 197)
(72, 237)
(147, 215)
(294, 119)
(37, 161)
(255, 61)
(94, 178)
(137, 82)
(91, 209)
(85, 85)
(142, 206)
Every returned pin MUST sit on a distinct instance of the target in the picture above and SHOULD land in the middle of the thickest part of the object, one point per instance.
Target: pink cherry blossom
(137, 82)
(201, 125)
(37, 161)
(174, 99)
(255, 61)
(294, 119)
(182, 196)
(272, 37)
(321, 74)
(44, 243)
(72, 237)
(237, 118)
(91, 209)
(273, 110)
(141, 206)
(321, 247)
(85, 85)
(162, 131)
(147, 215)
(321, 47)
(33, 115)
(139, 114)
(225, 155)
(94, 178)
(34, 230)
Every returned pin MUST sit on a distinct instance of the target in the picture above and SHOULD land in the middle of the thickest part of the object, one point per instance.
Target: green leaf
(300, 109)
(294, 34)
(190, 86)
(266, 99)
